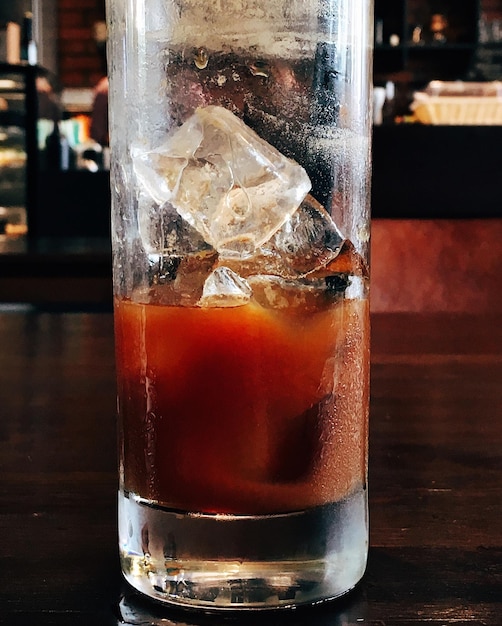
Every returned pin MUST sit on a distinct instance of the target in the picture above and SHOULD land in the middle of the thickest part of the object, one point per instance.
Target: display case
(26, 94)
(18, 146)
(423, 40)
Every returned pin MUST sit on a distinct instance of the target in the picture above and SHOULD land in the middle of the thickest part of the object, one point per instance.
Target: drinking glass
(240, 162)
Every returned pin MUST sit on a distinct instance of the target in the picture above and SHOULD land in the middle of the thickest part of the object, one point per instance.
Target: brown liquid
(245, 409)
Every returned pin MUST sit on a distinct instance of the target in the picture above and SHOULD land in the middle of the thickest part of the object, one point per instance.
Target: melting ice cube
(225, 288)
(178, 256)
(279, 293)
(231, 185)
(164, 231)
(307, 241)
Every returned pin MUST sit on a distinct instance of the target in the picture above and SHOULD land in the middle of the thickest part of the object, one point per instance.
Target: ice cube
(348, 262)
(179, 258)
(226, 181)
(179, 280)
(164, 232)
(225, 288)
(307, 241)
(273, 292)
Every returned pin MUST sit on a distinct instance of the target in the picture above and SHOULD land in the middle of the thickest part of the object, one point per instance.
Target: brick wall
(491, 9)
(80, 61)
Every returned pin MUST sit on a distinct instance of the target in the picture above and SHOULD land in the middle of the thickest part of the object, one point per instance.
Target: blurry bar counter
(66, 257)
(68, 272)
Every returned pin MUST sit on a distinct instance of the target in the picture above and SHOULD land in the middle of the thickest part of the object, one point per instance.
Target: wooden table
(435, 477)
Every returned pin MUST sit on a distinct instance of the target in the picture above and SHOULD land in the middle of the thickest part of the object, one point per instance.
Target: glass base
(243, 562)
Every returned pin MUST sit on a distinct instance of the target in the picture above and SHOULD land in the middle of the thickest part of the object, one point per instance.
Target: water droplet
(201, 59)
(260, 68)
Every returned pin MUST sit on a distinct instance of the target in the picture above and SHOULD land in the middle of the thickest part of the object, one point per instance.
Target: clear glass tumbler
(240, 139)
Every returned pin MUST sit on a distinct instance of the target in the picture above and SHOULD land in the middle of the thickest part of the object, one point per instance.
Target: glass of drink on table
(240, 229)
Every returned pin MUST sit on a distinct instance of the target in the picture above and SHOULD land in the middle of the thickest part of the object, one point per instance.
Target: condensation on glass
(240, 138)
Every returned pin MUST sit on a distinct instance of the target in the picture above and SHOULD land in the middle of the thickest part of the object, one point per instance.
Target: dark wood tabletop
(435, 477)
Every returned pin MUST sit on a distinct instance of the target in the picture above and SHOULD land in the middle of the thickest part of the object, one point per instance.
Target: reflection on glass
(134, 610)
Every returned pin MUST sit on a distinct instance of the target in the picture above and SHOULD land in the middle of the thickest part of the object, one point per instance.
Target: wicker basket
(458, 110)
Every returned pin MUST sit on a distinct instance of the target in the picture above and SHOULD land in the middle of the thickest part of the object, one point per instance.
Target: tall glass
(240, 138)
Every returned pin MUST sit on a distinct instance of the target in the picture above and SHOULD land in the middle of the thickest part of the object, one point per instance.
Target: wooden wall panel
(436, 265)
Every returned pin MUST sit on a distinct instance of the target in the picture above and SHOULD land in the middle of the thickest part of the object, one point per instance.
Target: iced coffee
(241, 305)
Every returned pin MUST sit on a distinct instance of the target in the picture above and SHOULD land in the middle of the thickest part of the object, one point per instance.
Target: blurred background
(436, 198)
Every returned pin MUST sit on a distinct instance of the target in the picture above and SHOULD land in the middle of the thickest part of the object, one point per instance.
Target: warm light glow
(7, 83)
